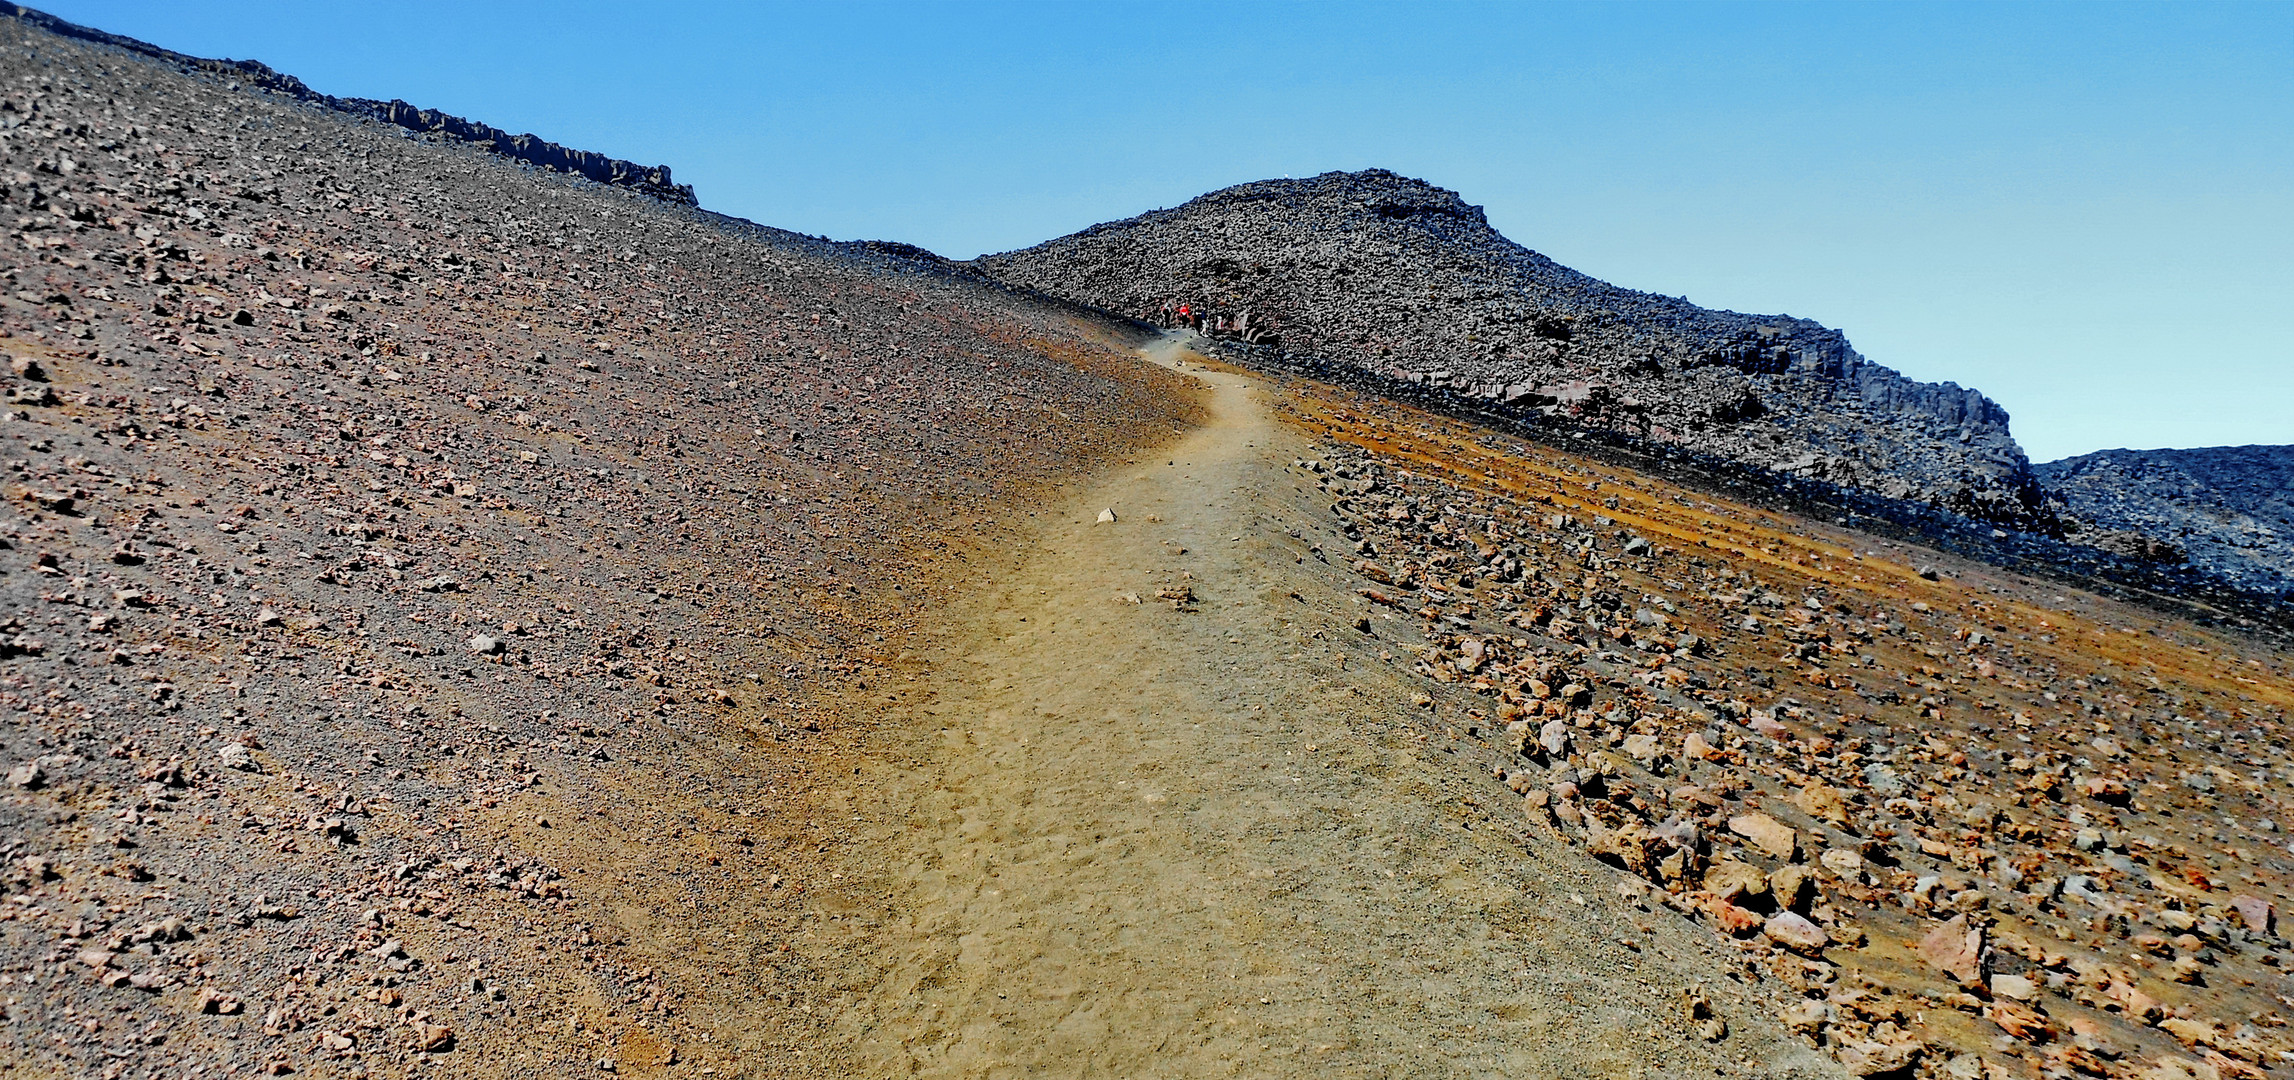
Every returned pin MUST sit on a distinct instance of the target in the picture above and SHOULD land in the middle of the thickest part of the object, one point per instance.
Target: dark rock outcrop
(1394, 276)
(531, 149)
(2227, 509)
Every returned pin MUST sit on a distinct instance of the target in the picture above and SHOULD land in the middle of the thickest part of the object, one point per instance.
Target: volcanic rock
(1394, 277)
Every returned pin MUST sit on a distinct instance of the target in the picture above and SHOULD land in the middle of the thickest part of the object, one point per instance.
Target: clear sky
(2084, 210)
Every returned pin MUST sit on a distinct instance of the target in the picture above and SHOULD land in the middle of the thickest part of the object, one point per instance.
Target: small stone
(1730, 919)
(1807, 1017)
(485, 645)
(2258, 914)
(28, 776)
(1643, 748)
(2014, 987)
(268, 617)
(2187, 1031)
(1879, 1059)
(233, 755)
(1956, 949)
(1795, 932)
(2023, 1023)
(437, 1038)
(1848, 865)
(1793, 886)
(1107, 517)
(1735, 881)
(1824, 803)
(1766, 833)
(1695, 748)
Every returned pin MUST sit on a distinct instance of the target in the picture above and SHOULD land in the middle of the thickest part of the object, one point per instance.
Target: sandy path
(1218, 843)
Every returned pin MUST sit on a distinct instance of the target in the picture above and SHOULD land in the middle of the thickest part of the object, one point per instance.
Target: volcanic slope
(427, 581)
(1394, 276)
(1183, 821)
(2228, 509)
(1458, 755)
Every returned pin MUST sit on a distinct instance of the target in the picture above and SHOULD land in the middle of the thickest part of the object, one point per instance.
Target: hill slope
(1393, 275)
(414, 567)
(2228, 509)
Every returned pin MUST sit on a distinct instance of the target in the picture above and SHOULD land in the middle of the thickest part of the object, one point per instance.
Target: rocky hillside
(421, 577)
(2227, 509)
(528, 148)
(1391, 275)
(1980, 828)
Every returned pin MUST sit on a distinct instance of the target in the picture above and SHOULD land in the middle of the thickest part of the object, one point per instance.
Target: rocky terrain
(528, 148)
(1981, 828)
(420, 575)
(471, 619)
(1387, 274)
(2227, 509)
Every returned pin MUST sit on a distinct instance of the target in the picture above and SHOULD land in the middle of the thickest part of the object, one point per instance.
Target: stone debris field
(1985, 828)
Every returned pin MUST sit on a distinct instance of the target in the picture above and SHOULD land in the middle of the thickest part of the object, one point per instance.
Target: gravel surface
(1182, 820)
(422, 575)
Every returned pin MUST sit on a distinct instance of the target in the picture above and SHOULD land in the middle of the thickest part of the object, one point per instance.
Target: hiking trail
(1214, 842)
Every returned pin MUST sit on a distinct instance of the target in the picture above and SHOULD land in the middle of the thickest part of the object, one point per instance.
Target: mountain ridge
(2227, 509)
(1458, 304)
(532, 149)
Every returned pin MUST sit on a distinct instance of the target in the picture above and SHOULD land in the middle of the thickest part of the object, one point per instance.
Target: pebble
(1795, 932)
(1767, 833)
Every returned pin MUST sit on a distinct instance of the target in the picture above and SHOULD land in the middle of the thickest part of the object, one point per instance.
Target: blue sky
(2086, 211)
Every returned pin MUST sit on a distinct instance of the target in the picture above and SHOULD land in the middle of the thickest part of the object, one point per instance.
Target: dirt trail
(1222, 842)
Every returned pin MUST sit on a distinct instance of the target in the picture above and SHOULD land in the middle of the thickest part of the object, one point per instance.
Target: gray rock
(2226, 509)
(1395, 277)
(1883, 780)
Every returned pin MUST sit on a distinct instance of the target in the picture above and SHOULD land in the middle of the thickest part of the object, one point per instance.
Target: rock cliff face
(2228, 509)
(531, 149)
(1397, 277)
